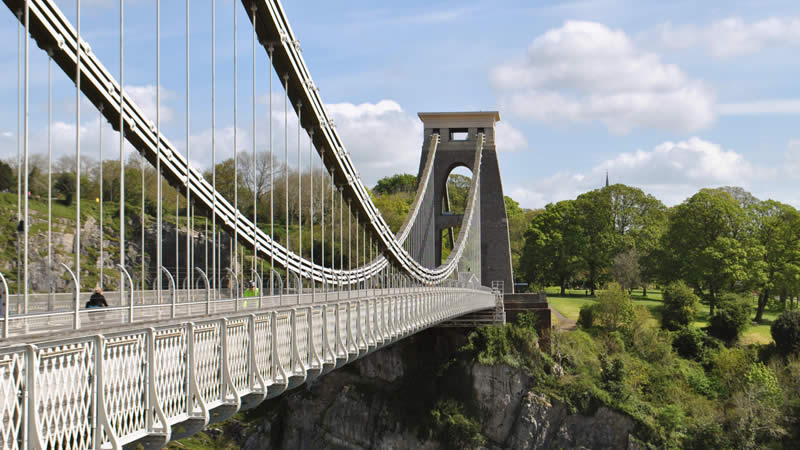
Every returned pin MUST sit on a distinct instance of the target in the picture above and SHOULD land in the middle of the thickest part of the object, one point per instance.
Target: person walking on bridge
(97, 300)
(252, 290)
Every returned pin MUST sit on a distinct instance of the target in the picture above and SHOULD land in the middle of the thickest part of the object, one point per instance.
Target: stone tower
(458, 133)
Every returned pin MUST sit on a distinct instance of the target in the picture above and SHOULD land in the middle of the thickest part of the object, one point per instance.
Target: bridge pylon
(458, 132)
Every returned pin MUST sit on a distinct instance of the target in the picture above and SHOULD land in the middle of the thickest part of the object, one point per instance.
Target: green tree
(518, 221)
(394, 207)
(626, 269)
(550, 254)
(8, 181)
(64, 185)
(704, 244)
(597, 239)
(776, 229)
(786, 332)
(401, 182)
(680, 306)
(639, 221)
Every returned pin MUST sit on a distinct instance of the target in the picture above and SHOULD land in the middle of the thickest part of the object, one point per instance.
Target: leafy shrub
(528, 320)
(455, 428)
(763, 378)
(613, 342)
(672, 424)
(646, 340)
(756, 414)
(680, 306)
(705, 435)
(786, 332)
(731, 318)
(586, 316)
(696, 379)
(728, 368)
(612, 375)
(692, 343)
(614, 309)
(576, 351)
(509, 344)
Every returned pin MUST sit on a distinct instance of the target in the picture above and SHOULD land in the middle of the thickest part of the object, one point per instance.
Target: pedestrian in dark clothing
(97, 300)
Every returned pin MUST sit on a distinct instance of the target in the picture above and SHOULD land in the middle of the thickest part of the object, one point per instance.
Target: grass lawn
(570, 304)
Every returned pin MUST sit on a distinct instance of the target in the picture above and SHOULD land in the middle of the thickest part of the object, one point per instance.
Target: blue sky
(667, 96)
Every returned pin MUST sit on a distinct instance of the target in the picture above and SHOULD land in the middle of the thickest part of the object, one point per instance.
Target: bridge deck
(159, 380)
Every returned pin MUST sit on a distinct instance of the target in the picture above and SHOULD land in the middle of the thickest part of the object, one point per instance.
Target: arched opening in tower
(454, 202)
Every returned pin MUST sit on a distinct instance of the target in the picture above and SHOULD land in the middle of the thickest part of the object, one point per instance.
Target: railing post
(236, 290)
(173, 291)
(4, 304)
(127, 276)
(31, 437)
(208, 289)
(76, 323)
(102, 421)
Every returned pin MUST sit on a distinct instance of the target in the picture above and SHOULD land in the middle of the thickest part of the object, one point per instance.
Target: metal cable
(299, 186)
(215, 256)
(271, 186)
(26, 223)
(50, 176)
(189, 219)
(159, 218)
(286, 161)
(78, 149)
(235, 152)
(255, 182)
(122, 152)
(311, 202)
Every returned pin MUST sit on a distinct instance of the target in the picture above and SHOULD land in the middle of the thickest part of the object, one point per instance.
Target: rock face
(358, 408)
(63, 251)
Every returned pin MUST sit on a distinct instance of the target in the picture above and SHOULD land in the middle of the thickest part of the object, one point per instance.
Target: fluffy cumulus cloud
(671, 171)
(585, 71)
(732, 36)
(509, 139)
(145, 99)
(382, 137)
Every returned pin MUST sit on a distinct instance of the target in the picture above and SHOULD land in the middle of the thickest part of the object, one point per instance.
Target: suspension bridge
(183, 346)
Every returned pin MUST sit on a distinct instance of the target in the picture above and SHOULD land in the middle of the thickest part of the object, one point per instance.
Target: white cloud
(732, 36)
(671, 171)
(508, 138)
(145, 99)
(382, 137)
(761, 107)
(585, 71)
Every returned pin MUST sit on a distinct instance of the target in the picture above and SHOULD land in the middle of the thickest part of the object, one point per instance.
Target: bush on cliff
(731, 318)
(680, 306)
(511, 344)
(455, 428)
(786, 332)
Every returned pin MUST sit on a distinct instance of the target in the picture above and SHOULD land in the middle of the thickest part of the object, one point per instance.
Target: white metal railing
(108, 390)
(61, 312)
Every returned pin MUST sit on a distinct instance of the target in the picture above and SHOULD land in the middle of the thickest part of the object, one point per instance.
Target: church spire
(606, 178)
